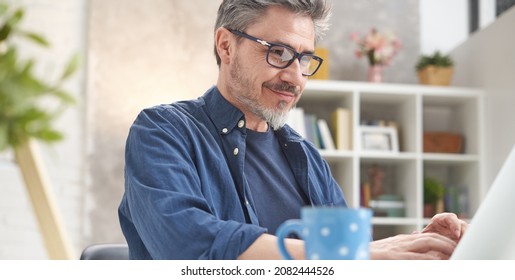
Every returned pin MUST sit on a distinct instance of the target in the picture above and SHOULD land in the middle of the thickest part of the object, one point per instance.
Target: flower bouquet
(379, 48)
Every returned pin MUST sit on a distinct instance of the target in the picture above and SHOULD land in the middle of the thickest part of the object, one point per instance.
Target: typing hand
(416, 246)
(447, 224)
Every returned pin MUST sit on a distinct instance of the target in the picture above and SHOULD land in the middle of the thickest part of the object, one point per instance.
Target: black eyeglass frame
(296, 55)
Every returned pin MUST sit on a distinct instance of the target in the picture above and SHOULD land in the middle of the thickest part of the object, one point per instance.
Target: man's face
(261, 91)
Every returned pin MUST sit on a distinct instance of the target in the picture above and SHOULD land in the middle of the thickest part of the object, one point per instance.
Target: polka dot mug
(330, 233)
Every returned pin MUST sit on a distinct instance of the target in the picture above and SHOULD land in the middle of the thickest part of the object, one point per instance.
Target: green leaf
(4, 142)
(72, 66)
(10, 24)
(25, 97)
(64, 96)
(3, 8)
(5, 31)
(436, 59)
(49, 135)
(36, 38)
(16, 18)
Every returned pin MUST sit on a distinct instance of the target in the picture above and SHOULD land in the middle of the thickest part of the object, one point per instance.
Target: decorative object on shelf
(388, 205)
(379, 48)
(435, 69)
(434, 192)
(457, 200)
(376, 177)
(26, 114)
(379, 138)
(375, 73)
(322, 72)
(443, 142)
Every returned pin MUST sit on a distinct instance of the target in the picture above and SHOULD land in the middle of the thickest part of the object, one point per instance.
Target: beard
(276, 116)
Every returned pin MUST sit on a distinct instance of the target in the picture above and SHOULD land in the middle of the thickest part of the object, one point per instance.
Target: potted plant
(28, 107)
(435, 69)
(434, 192)
(379, 49)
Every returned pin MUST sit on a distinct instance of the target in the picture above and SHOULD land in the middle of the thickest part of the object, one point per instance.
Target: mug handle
(283, 231)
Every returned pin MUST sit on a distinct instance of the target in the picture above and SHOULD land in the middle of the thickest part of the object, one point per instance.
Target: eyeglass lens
(282, 57)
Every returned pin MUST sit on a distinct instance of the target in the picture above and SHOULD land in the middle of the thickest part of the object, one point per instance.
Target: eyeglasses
(281, 56)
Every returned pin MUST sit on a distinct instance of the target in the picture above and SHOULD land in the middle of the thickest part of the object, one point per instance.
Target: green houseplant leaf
(433, 190)
(28, 104)
(436, 59)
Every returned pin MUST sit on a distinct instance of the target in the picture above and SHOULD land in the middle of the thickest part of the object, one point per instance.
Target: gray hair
(239, 14)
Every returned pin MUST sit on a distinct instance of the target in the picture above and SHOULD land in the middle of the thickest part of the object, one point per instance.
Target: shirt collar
(224, 115)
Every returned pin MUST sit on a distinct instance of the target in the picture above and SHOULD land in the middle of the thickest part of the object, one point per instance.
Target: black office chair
(105, 251)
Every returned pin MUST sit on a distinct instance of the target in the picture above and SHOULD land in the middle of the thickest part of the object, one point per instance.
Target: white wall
(445, 24)
(487, 60)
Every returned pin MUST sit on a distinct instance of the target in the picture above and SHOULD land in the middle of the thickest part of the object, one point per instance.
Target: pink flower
(378, 48)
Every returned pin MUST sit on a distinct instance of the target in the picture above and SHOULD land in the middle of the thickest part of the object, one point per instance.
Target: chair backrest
(106, 251)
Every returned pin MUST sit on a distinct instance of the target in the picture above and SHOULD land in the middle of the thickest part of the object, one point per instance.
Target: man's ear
(223, 41)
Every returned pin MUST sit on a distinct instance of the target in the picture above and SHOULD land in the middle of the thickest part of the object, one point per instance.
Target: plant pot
(438, 76)
(429, 210)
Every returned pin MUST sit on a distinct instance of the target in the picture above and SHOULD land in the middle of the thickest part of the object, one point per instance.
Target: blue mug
(330, 233)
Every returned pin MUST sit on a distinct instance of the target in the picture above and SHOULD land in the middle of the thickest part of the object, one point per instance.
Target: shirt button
(235, 151)
(241, 123)
(224, 130)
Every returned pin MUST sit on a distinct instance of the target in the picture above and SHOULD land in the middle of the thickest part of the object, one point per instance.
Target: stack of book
(391, 206)
(333, 135)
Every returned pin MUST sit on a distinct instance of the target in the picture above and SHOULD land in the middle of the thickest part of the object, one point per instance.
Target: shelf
(386, 156)
(449, 158)
(412, 109)
(335, 154)
(394, 221)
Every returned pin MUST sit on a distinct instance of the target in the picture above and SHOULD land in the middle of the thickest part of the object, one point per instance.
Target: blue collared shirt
(186, 195)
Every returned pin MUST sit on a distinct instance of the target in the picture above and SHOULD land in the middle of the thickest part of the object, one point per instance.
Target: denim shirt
(186, 195)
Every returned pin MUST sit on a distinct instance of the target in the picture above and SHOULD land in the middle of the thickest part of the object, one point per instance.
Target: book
(456, 201)
(341, 126)
(312, 133)
(388, 205)
(326, 138)
(296, 121)
(365, 194)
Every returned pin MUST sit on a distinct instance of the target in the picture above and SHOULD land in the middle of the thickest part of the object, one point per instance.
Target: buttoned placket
(240, 181)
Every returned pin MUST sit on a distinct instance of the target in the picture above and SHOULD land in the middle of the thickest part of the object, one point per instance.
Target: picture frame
(379, 139)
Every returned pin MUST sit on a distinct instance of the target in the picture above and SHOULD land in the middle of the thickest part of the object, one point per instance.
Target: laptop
(491, 233)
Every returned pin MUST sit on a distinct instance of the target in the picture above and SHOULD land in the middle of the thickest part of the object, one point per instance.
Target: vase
(375, 73)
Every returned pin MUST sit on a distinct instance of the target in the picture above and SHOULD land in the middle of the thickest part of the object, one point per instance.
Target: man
(213, 178)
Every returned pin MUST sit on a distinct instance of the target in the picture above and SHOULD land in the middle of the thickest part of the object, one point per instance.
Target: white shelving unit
(415, 109)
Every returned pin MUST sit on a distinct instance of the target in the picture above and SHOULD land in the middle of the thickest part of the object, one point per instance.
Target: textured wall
(141, 53)
(400, 17)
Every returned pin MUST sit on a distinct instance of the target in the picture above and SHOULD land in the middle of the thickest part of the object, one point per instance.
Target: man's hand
(416, 246)
(436, 241)
(447, 224)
